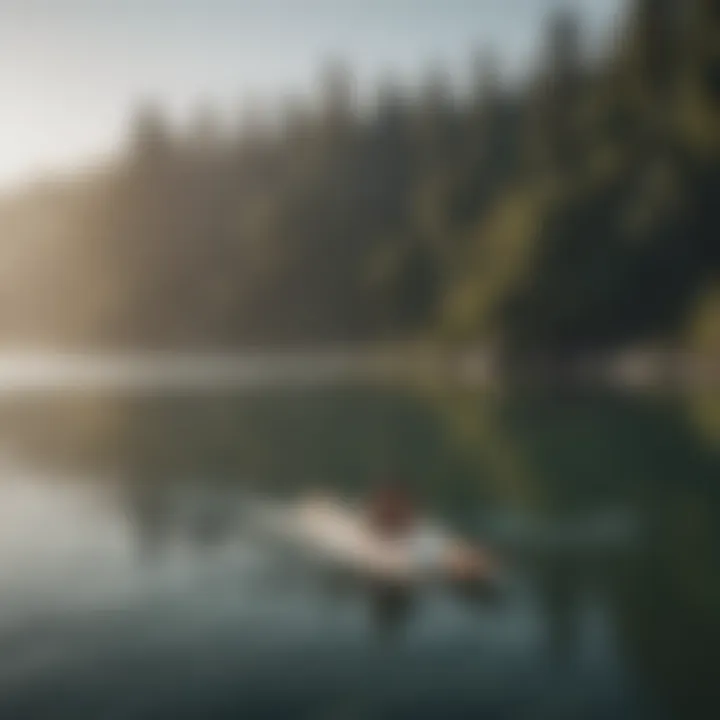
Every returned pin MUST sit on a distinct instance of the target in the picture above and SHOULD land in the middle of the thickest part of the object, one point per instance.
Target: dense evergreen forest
(572, 212)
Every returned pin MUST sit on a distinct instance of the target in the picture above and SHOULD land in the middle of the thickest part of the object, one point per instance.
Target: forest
(568, 213)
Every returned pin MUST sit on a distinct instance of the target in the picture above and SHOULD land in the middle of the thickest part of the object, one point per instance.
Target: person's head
(391, 506)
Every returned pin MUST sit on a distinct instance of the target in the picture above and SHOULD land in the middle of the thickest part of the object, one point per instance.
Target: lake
(130, 588)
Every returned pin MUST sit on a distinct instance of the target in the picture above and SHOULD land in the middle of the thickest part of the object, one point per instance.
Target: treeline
(568, 214)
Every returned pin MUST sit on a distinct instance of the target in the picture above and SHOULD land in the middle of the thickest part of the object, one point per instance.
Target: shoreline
(37, 371)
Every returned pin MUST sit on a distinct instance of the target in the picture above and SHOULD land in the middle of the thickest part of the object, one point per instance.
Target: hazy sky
(72, 70)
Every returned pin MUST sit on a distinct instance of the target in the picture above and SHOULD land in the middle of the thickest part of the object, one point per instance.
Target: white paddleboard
(335, 533)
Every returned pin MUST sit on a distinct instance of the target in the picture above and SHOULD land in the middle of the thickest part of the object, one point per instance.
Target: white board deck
(336, 533)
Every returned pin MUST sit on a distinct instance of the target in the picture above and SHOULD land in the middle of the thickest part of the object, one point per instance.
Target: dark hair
(390, 505)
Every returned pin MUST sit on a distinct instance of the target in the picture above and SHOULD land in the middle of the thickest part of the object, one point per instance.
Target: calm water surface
(130, 587)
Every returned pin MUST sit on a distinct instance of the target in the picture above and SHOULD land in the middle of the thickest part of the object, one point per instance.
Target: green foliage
(574, 213)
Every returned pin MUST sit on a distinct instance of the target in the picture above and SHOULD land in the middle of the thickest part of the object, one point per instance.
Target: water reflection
(124, 547)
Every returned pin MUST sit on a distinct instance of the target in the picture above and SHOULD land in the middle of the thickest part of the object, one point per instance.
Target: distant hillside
(573, 214)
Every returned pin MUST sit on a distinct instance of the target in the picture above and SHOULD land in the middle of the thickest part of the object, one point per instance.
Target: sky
(72, 71)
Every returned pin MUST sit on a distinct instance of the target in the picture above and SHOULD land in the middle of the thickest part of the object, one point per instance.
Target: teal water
(129, 588)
